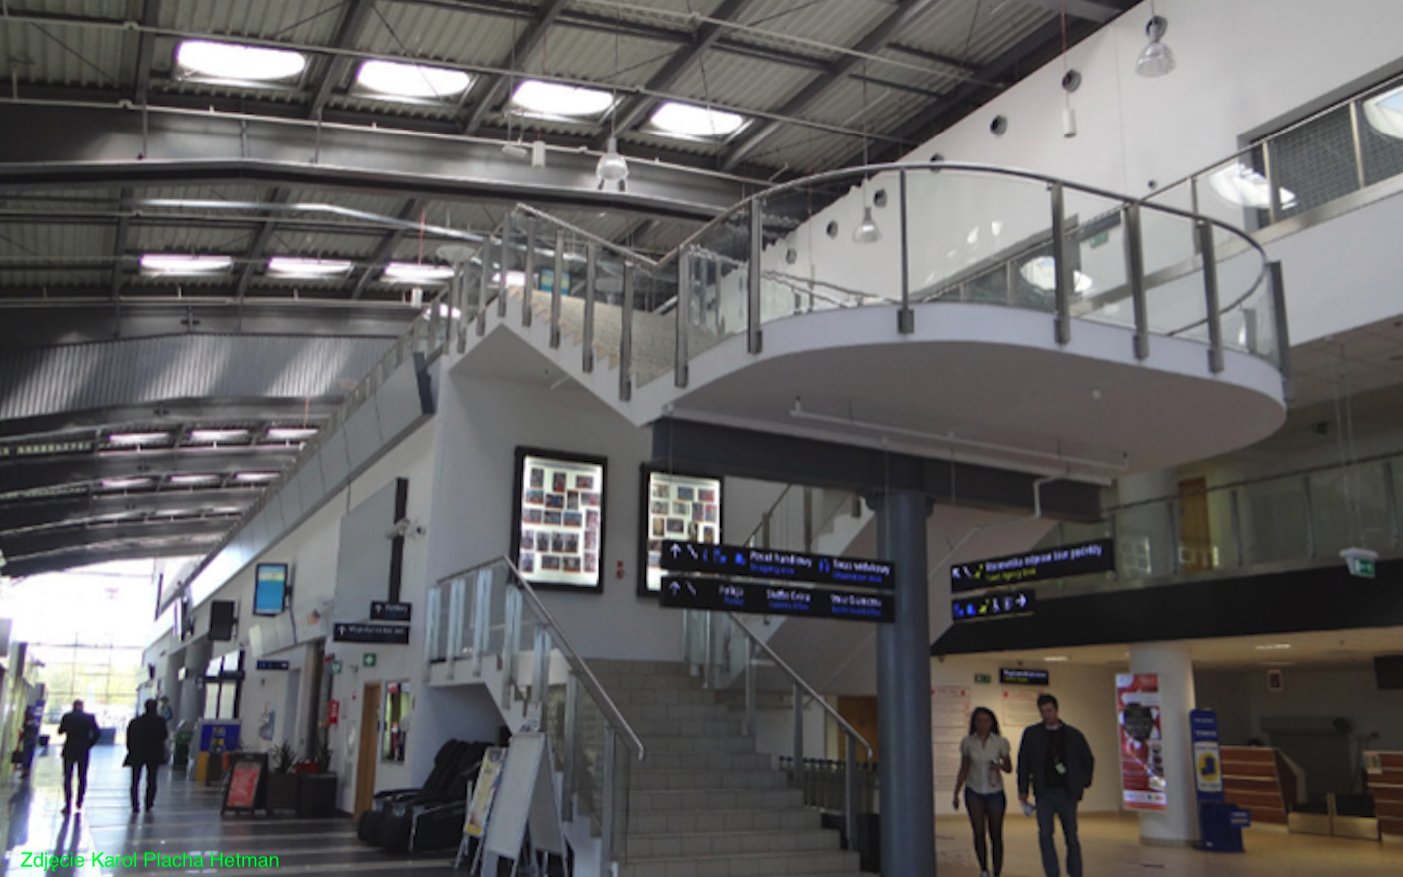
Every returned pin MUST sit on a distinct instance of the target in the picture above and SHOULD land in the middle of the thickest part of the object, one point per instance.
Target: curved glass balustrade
(893, 236)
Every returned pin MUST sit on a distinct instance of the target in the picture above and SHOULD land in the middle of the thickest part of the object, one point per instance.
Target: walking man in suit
(146, 748)
(1056, 762)
(80, 734)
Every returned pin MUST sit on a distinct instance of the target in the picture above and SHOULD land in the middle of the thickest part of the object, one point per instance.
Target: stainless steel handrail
(799, 681)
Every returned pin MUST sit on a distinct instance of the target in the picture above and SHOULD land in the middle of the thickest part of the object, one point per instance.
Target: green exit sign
(1101, 239)
(367, 659)
(983, 679)
(1362, 567)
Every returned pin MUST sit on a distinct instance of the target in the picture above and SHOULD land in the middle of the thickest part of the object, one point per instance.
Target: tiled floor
(1111, 848)
(185, 819)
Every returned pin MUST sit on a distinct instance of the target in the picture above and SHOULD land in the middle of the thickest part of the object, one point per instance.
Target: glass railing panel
(980, 238)
(438, 600)
(1247, 304)
(1096, 247)
(721, 268)
(654, 323)
(496, 608)
(1350, 509)
(623, 766)
(1380, 136)
(1275, 521)
(1145, 541)
(1314, 164)
(797, 274)
(1174, 292)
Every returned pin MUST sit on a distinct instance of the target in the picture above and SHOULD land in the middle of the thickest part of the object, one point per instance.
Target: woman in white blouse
(984, 759)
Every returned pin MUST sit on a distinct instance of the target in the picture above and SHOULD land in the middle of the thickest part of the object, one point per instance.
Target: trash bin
(180, 756)
(1220, 826)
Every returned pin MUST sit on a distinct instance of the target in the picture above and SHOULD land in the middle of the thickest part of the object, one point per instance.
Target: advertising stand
(1220, 824)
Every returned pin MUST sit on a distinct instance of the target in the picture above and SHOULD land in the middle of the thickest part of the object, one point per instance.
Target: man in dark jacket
(1055, 760)
(80, 734)
(146, 748)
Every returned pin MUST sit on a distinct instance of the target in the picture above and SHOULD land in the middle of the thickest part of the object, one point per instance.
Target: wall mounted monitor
(559, 519)
(677, 506)
(270, 581)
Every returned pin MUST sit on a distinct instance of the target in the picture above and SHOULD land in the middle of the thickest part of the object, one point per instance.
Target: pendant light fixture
(613, 167)
(867, 231)
(1156, 59)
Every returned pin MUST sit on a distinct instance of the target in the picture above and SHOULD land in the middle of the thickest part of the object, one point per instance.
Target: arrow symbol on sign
(676, 588)
(692, 550)
(676, 549)
(955, 573)
(1022, 600)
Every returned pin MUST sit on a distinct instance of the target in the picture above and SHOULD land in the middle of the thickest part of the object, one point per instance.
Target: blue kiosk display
(1220, 823)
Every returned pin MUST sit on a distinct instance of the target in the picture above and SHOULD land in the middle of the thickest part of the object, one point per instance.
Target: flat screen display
(682, 508)
(269, 588)
(559, 519)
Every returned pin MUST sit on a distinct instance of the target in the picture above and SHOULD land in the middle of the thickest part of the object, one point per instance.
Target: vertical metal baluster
(1357, 133)
(591, 269)
(557, 289)
(626, 336)
(567, 785)
(1063, 267)
(1312, 545)
(540, 671)
(1210, 292)
(1274, 209)
(1135, 277)
(1283, 329)
(850, 792)
(754, 340)
(505, 266)
(482, 286)
(606, 818)
(1395, 527)
(1236, 511)
(749, 688)
(799, 730)
(1176, 565)
(906, 318)
(684, 318)
(528, 273)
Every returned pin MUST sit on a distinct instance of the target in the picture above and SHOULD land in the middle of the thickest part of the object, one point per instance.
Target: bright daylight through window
(394, 80)
(552, 100)
(674, 119)
(229, 63)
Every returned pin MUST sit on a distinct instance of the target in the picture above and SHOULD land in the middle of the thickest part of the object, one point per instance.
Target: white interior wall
(1244, 702)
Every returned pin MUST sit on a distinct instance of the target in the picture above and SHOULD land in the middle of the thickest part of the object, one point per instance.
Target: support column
(903, 691)
(192, 696)
(1173, 663)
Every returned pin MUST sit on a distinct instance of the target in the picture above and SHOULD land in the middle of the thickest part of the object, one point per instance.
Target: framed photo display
(559, 519)
(675, 506)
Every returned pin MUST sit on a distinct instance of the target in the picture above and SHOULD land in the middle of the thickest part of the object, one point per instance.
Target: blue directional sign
(775, 564)
(724, 595)
(1040, 564)
(993, 606)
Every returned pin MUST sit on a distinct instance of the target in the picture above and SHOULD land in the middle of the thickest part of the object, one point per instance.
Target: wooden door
(1195, 529)
(369, 749)
(861, 713)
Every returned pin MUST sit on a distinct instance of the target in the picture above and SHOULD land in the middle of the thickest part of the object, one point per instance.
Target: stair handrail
(577, 663)
(799, 682)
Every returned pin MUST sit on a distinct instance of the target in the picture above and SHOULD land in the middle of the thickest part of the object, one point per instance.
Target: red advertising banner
(243, 786)
(1141, 743)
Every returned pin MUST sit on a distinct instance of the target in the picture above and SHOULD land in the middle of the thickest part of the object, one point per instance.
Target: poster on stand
(1141, 743)
(685, 508)
(559, 515)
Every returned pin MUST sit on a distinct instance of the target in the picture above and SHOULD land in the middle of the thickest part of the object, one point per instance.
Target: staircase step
(677, 822)
(704, 761)
(705, 780)
(715, 799)
(729, 744)
(682, 712)
(745, 865)
(643, 846)
(676, 696)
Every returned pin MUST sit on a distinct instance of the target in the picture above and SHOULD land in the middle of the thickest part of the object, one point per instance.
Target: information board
(1039, 565)
(1020, 676)
(765, 563)
(676, 506)
(993, 606)
(1208, 760)
(385, 634)
(484, 790)
(1143, 785)
(245, 788)
(724, 595)
(559, 518)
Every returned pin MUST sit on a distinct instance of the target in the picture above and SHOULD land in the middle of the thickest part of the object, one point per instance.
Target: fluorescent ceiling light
(514, 279)
(1057, 659)
(444, 311)
(291, 433)
(255, 477)
(227, 510)
(1274, 647)
(1385, 113)
(1246, 187)
(177, 265)
(1042, 273)
(689, 122)
(556, 101)
(217, 435)
(188, 479)
(124, 483)
(416, 273)
(138, 438)
(394, 80)
(230, 63)
(308, 269)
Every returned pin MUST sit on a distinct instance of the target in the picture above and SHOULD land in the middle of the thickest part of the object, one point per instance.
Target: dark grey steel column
(903, 691)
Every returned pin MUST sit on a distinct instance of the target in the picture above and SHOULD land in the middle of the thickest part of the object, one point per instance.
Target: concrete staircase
(704, 803)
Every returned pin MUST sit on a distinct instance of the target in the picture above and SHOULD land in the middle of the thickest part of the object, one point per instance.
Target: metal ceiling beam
(261, 241)
(903, 14)
(385, 249)
(40, 543)
(146, 50)
(65, 146)
(121, 240)
(76, 509)
(358, 14)
(963, 67)
(171, 413)
(1099, 11)
(28, 473)
(490, 92)
(706, 37)
(58, 561)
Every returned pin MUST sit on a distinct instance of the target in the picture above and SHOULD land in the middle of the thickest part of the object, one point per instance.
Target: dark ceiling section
(111, 154)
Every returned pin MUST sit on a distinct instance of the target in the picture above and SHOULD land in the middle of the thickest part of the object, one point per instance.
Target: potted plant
(282, 781)
(316, 784)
